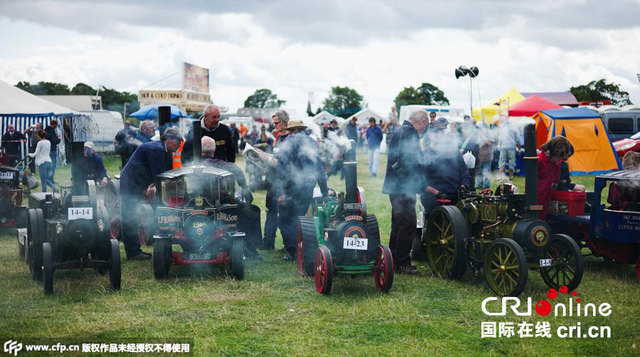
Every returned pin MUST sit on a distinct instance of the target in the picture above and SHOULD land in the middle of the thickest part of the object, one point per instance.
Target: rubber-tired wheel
(373, 236)
(323, 270)
(36, 238)
(383, 268)
(567, 266)
(237, 259)
(145, 224)
(47, 267)
(115, 269)
(505, 267)
(446, 231)
(161, 258)
(307, 245)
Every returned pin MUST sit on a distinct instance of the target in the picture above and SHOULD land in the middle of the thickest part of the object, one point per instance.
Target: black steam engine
(70, 231)
(501, 234)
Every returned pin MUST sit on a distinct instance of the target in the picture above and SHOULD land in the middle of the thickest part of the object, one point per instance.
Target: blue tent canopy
(572, 113)
(150, 112)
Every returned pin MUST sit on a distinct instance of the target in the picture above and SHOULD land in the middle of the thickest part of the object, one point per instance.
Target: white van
(109, 123)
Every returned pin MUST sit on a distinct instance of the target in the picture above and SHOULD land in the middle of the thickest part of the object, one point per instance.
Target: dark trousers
(249, 223)
(32, 160)
(403, 227)
(129, 205)
(271, 223)
(288, 214)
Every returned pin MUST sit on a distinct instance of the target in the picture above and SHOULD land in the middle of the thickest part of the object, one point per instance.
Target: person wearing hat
(299, 168)
(444, 168)
(142, 170)
(333, 125)
(95, 167)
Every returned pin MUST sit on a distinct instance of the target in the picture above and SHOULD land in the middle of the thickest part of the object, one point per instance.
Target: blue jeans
(373, 161)
(483, 175)
(54, 160)
(43, 170)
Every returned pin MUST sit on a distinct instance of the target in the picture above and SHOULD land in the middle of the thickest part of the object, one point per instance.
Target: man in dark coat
(299, 168)
(147, 131)
(54, 139)
(94, 169)
(122, 143)
(248, 214)
(217, 131)
(404, 179)
(12, 143)
(146, 163)
(280, 120)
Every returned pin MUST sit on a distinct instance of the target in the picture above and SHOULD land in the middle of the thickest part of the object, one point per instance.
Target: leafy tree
(82, 89)
(343, 102)
(263, 98)
(427, 94)
(601, 90)
(44, 88)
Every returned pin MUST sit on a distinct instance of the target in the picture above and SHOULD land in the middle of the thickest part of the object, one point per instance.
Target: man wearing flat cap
(95, 167)
(299, 168)
(142, 170)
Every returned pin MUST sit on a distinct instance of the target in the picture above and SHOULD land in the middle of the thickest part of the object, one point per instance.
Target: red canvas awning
(531, 106)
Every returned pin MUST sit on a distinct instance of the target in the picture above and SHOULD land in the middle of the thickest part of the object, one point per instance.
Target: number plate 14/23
(355, 243)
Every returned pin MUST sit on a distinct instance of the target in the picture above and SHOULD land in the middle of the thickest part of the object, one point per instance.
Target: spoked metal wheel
(115, 269)
(47, 268)
(446, 231)
(567, 266)
(383, 268)
(112, 203)
(237, 259)
(161, 258)
(323, 270)
(505, 267)
(307, 245)
(145, 224)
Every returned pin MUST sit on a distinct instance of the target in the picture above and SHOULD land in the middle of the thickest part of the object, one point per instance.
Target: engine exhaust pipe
(351, 181)
(197, 142)
(531, 170)
(78, 168)
(164, 118)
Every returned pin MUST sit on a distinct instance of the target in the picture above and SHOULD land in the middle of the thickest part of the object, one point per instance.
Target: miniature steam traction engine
(501, 235)
(341, 238)
(199, 213)
(70, 231)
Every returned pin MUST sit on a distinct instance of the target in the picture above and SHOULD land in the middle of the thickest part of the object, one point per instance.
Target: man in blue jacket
(95, 166)
(374, 138)
(143, 168)
(404, 179)
(147, 131)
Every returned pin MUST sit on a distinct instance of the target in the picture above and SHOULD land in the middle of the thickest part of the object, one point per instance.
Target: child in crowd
(565, 183)
(625, 195)
(552, 153)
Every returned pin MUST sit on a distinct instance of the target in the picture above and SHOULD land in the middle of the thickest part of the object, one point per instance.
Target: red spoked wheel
(114, 227)
(383, 268)
(323, 270)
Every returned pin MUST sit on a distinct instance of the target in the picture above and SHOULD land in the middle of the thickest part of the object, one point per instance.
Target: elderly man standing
(299, 168)
(249, 215)
(220, 133)
(12, 142)
(280, 120)
(404, 179)
(143, 168)
(147, 131)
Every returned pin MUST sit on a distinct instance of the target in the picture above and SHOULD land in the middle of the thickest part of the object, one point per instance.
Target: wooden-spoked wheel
(446, 231)
(307, 245)
(566, 267)
(145, 224)
(383, 268)
(323, 270)
(112, 203)
(505, 267)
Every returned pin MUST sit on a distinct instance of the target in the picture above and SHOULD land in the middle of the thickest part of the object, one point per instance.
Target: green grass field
(273, 311)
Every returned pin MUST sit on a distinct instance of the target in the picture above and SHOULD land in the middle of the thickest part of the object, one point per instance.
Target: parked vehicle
(621, 125)
(626, 145)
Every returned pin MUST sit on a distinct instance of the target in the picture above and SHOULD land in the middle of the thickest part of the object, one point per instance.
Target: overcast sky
(296, 48)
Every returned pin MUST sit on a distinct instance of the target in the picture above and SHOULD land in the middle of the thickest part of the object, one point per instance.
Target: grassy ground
(275, 312)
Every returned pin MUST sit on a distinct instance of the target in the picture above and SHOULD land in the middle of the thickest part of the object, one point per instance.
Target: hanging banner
(195, 78)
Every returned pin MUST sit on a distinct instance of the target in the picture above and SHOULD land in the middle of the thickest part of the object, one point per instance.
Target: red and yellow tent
(594, 153)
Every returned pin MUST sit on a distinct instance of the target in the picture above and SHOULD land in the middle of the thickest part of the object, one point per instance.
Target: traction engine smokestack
(164, 118)
(78, 167)
(351, 181)
(531, 169)
(197, 142)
